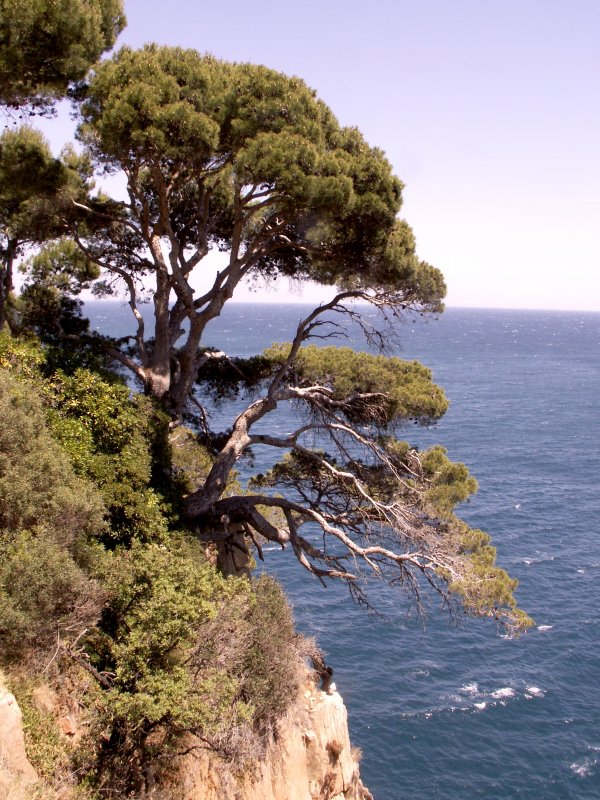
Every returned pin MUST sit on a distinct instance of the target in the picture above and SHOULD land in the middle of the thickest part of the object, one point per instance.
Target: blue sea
(462, 712)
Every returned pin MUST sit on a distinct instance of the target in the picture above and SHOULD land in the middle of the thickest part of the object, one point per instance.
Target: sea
(458, 710)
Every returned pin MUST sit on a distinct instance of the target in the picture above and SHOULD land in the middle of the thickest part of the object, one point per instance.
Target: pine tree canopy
(46, 45)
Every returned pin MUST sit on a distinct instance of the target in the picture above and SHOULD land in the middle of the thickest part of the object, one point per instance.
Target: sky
(488, 110)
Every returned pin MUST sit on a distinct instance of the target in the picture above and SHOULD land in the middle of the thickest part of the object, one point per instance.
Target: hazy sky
(489, 111)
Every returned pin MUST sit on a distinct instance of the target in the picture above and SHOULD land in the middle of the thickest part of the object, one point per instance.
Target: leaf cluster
(226, 378)
(366, 388)
(33, 183)
(45, 46)
(110, 438)
(190, 652)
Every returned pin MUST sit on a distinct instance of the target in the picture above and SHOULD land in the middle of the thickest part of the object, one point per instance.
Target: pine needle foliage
(47, 45)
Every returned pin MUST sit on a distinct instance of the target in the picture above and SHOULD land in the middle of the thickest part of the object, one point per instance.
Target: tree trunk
(6, 283)
(233, 556)
(187, 368)
(158, 372)
(157, 382)
(200, 501)
(3, 314)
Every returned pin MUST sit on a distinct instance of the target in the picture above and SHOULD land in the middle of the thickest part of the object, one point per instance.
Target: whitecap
(534, 691)
(501, 694)
(479, 706)
(470, 688)
(543, 628)
(544, 558)
(584, 768)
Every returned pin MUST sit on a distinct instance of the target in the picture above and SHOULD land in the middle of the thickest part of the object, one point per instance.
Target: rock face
(310, 759)
(16, 773)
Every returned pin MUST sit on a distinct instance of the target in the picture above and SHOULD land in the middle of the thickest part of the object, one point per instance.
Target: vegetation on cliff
(98, 579)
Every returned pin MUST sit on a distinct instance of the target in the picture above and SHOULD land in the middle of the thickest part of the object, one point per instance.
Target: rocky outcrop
(310, 758)
(17, 776)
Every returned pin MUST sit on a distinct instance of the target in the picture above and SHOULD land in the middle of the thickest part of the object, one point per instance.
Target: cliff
(17, 776)
(309, 758)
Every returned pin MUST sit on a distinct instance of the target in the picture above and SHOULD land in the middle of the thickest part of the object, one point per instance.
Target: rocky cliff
(309, 758)
(17, 776)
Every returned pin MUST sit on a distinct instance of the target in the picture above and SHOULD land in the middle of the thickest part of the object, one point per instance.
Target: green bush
(47, 517)
(271, 663)
(111, 438)
(45, 597)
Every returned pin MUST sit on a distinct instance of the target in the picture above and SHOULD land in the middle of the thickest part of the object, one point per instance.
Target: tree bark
(6, 282)
(201, 501)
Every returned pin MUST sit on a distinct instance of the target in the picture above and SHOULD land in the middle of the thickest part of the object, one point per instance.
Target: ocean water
(461, 712)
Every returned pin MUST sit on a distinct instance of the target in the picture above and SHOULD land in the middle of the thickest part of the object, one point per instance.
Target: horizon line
(449, 307)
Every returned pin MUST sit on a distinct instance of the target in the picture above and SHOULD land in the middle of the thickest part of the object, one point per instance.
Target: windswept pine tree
(247, 161)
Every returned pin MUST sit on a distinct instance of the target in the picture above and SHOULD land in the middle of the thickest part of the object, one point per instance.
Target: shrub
(38, 490)
(110, 439)
(47, 516)
(45, 597)
(89, 542)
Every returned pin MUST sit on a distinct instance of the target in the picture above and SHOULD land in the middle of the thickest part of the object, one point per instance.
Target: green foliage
(38, 490)
(400, 390)
(34, 185)
(187, 649)
(191, 649)
(47, 517)
(55, 276)
(36, 189)
(450, 481)
(22, 356)
(45, 46)
(191, 461)
(28, 172)
(160, 597)
(485, 585)
(226, 378)
(271, 664)
(110, 437)
(61, 266)
(190, 652)
(44, 596)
